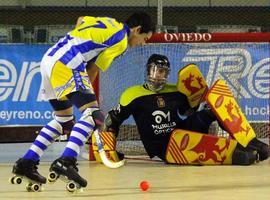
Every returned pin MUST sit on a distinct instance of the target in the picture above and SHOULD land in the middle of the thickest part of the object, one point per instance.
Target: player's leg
(199, 121)
(91, 118)
(232, 119)
(75, 86)
(61, 124)
(192, 83)
(63, 120)
(186, 147)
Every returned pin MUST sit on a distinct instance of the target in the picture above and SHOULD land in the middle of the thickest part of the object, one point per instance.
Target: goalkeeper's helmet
(158, 69)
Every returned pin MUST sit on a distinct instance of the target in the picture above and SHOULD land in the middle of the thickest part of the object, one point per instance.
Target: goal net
(241, 59)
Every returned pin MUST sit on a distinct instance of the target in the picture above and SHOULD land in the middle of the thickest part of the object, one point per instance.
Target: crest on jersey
(160, 102)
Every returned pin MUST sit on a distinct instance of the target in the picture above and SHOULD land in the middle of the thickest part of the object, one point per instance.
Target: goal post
(241, 59)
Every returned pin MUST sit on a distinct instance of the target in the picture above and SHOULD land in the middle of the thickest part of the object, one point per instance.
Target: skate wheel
(71, 186)
(28, 187)
(15, 180)
(52, 177)
(33, 187)
(11, 180)
(36, 187)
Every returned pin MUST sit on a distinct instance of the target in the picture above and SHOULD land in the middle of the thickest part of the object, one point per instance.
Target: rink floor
(166, 181)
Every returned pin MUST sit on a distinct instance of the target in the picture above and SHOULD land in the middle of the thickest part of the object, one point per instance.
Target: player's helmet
(158, 68)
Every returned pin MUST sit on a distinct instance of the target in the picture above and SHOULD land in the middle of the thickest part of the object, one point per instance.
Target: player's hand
(108, 126)
(120, 155)
(208, 111)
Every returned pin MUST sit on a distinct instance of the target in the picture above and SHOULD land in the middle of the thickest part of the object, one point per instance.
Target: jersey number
(98, 25)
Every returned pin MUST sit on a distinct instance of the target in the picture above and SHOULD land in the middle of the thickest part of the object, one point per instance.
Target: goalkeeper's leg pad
(222, 102)
(192, 83)
(109, 142)
(188, 147)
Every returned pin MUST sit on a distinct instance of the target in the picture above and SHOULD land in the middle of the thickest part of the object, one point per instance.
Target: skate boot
(65, 168)
(27, 168)
(260, 147)
(241, 157)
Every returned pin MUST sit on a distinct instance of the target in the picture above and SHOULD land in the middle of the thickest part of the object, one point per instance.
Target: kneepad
(97, 116)
(66, 123)
(67, 127)
(109, 142)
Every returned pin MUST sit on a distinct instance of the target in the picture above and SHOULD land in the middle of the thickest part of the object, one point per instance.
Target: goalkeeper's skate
(243, 156)
(27, 169)
(260, 147)
(65, 168)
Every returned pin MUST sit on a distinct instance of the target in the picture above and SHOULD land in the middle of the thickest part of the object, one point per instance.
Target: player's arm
(115, 118)
(79, 21)
(185, 108)
(102, 62)
(194, 119)
(105, 58)
(92, 71)
(83, 19)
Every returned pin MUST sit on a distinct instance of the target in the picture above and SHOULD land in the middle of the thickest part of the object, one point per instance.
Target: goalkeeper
(158, 109)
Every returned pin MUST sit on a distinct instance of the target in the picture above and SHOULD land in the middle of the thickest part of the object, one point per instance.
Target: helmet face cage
(157, 74)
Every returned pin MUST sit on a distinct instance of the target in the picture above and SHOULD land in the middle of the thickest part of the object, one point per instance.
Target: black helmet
(158, 68)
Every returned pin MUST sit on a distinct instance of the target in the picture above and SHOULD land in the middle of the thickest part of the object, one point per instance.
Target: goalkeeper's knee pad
(109, 142)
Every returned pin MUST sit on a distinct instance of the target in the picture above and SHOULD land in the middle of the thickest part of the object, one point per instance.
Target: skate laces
(72, 162)
(75, 167)
(34, 166)
(31, 165)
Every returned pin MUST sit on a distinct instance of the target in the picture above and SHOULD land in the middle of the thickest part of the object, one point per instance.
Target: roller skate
(243, 157)
(260, 147)
(65, 168)
(27, 169)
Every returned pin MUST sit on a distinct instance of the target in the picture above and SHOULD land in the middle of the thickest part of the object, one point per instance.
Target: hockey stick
(102, 153)
(144, 158)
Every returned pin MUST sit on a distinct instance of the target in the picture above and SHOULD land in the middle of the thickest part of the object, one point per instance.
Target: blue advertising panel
(246, 68)
(20, 86)
(20, 80)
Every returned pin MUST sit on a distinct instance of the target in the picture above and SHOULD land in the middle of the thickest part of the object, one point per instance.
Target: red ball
(144, 185)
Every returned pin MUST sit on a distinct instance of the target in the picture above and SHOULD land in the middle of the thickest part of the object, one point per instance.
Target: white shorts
(58, 80)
